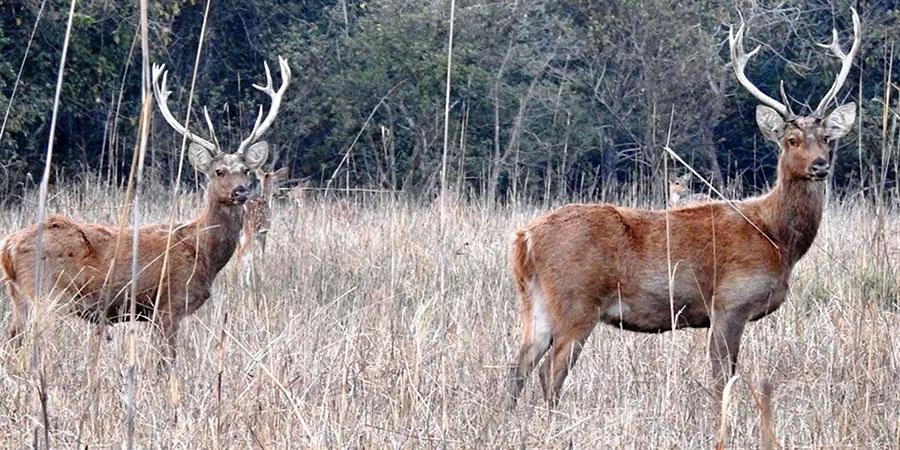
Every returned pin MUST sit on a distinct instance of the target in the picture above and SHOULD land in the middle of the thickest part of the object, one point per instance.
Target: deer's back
(77, 258)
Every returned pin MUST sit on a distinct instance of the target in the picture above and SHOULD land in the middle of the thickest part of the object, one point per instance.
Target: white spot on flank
(542, 326)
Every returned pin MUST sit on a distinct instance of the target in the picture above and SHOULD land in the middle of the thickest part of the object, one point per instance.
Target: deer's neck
(268, 194)
(792, 212)
(220, 228)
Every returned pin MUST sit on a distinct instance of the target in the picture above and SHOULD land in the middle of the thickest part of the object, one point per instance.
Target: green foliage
(554, 97)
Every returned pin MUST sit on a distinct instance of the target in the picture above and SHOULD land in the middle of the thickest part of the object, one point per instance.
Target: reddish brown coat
(704, 265)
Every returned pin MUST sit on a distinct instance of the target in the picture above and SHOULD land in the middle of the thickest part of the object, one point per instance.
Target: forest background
(549, 99)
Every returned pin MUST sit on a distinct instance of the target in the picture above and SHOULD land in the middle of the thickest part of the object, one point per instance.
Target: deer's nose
(819, 169)
(240, 194)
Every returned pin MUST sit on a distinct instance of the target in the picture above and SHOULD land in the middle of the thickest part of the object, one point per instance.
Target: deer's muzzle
(240, 194)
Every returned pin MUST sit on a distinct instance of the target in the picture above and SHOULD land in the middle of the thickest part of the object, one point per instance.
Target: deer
(258, 210)
(297, 194)
(715, 265)
(85, 268)
(257, 221)
(680, 192)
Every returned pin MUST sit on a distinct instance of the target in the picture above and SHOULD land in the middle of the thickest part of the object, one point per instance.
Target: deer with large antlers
(80, 263)
(716, 265)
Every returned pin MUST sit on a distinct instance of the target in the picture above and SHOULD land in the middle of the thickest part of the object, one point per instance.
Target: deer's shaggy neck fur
(791, 213)
(219, 229)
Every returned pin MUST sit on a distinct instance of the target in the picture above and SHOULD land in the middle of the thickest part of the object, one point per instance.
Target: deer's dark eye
(220, 173)
(793, 142)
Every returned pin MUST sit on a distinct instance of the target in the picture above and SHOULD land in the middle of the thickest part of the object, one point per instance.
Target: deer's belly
(96, 309)
(652, 308)
(655, 314)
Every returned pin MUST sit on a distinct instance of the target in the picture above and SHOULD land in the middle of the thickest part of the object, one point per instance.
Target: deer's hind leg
(575, 321)
(535, 340)
(18, 317)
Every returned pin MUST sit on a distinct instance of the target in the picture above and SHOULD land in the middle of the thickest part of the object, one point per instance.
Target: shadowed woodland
(377, 312)
(549, 98)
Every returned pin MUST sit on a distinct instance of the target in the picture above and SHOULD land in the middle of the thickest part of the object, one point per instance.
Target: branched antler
(162, 95)
(739, 62)
(262, 125)
(846, 63)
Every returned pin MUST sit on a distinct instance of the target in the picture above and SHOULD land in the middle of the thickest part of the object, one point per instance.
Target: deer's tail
(522, 267)
(6, 263)
(8, 267)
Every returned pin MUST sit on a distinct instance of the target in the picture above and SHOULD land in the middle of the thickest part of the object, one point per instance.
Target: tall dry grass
(346, 341)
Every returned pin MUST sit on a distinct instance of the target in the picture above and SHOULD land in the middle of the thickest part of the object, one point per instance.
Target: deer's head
(229, 174)
(269, 181)
(679, 185)
(803, 140)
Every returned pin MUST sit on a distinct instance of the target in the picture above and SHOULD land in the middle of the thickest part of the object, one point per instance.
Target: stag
(717, 265)
(90, 272)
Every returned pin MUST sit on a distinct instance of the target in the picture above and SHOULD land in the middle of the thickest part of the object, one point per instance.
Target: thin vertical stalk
(36, 366)
(144, 130)
(669, 268)
(443, 199)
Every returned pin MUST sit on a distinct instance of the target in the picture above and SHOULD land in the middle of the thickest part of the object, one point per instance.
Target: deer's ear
(281, 173)
(256, 155)
(770, 123)
(200, 158)
(840, 121)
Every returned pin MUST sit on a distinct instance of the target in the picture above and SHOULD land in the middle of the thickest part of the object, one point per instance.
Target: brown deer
(716, 264)
(298, 193)
(79, 261)
(680, 192)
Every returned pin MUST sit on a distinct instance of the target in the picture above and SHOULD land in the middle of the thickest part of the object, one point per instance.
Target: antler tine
(250, 137)
(162, 95)
(263, 124)
(786, 101)
(209, 124)
(846, 63)
(268, 88)
(739, 61)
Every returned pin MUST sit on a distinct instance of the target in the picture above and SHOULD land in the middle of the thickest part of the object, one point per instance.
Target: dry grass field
(348, 341)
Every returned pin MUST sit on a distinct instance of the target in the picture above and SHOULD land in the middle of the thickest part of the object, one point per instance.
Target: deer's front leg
(168, 330)
(724, 343)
